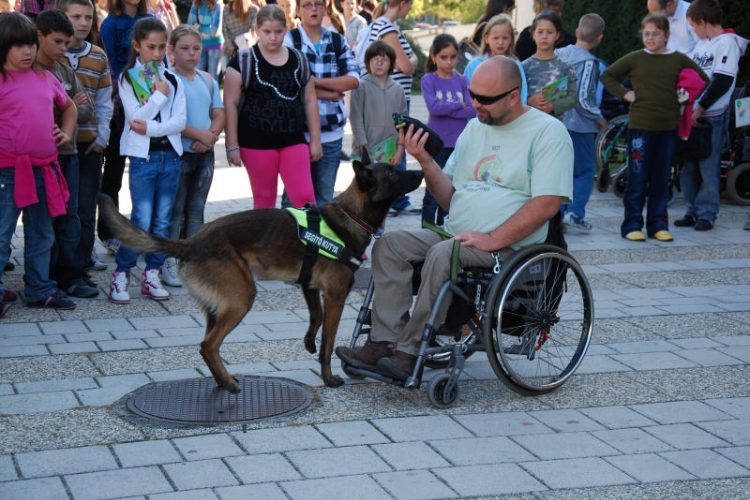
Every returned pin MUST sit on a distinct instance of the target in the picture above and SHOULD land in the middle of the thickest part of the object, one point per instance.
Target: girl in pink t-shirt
(30, 179)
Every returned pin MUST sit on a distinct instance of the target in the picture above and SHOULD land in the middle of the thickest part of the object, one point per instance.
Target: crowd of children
(290, 68)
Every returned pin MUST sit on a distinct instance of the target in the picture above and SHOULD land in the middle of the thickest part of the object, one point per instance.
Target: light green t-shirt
(497, 169)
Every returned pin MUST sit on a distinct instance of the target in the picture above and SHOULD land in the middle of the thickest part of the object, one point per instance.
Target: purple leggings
(264, 166)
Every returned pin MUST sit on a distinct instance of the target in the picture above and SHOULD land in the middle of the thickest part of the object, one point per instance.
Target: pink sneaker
(151, 285)
(119, 285)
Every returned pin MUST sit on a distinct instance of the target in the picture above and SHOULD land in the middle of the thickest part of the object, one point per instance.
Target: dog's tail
(134, 237)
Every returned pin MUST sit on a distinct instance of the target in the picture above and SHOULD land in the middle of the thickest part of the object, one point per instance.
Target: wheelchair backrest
(555, 235)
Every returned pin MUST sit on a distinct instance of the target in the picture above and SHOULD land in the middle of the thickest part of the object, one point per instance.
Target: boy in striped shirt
(92, 69)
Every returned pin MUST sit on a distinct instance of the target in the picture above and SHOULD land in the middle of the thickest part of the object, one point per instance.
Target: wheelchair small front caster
(436, 391)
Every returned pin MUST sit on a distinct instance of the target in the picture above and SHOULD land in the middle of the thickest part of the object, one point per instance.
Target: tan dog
(219, 265)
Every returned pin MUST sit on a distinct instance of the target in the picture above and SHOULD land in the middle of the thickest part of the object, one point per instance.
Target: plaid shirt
(325, 63)
(231, 27)
(33, 6)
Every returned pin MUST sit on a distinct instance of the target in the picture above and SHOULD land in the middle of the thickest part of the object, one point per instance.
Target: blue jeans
(324, 171)
(39, 235)
(701, 179)
(190, 202)
(210, 59)
(153, 186)
(65, 262)
(651, 154)
(584, 169)
(431, 209)
(89, 180)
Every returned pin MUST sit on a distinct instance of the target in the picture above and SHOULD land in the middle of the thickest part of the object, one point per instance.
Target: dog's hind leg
(312, 298)
(334, 305)
(218, 326)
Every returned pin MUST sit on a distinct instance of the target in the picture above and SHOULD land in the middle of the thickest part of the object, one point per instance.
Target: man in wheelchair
(509, 173)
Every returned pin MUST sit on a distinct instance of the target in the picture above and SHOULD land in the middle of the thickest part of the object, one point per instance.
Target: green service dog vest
(319, 239)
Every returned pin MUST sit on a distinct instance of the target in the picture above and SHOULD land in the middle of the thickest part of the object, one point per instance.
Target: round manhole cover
(200, 401)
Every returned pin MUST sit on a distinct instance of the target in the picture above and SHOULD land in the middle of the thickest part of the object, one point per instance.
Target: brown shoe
(399, 366)
(365, 357)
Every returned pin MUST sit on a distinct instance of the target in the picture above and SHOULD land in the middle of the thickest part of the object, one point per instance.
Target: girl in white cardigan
(154, 119)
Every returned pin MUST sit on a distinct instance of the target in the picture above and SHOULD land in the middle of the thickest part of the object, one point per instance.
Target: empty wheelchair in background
(532, 314)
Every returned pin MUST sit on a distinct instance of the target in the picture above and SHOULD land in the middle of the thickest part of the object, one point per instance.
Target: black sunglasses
(486, 101)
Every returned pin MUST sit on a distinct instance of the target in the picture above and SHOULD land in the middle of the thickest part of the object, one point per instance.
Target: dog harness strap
(311, 251)
(319, 238)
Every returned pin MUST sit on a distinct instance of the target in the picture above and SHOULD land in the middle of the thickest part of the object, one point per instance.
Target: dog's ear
(364, 175)
(366, 157)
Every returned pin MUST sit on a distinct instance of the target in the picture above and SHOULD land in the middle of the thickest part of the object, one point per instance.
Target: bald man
(510, 171)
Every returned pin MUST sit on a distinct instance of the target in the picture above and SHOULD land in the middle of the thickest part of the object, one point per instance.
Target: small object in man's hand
(434, 144)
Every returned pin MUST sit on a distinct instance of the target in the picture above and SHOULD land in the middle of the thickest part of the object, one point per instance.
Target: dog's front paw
(334, 381)
(232, 385)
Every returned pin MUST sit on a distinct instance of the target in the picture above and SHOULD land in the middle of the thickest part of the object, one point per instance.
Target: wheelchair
(532, 314)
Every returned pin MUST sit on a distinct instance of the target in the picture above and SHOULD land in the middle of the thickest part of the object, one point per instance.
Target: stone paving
(660, 407)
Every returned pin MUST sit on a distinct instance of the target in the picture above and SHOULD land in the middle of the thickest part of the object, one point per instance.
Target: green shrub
(624, 20)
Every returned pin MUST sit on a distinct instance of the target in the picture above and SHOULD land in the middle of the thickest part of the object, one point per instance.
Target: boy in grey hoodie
(373, 105)
(584, 121)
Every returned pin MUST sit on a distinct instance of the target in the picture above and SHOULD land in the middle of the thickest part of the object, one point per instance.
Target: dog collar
(364, 225)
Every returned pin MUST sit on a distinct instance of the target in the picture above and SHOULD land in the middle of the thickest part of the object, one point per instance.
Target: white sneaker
(151, 285)
(119, 286)
(96, 262)
(169, 272)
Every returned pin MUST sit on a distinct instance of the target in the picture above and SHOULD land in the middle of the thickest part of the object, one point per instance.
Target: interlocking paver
(679, 411)
(484, 450)
(737, 407)
(19, 404)
(413, 485)
(265, 491)
(146, 453)
(577, 473)
(502, 424)
(263, 468)
(632, 441)
(411, 455)
(731, 431)
(352, 433)
(283, 439)
(61, 462)
(487, 480)
(205, 447)
(49, 488)
(337, 462)
(420, 428)
(649, 468)
(705, 464)
(685, 436)
(71, 384)
(200, 474)
(326, 489)
(7, 469)
(117, 483)
(204, 494)
(566, 420)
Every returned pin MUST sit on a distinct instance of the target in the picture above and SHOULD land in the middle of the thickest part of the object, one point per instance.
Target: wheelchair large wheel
(539, 322)
(611, 151)
(738, 184)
